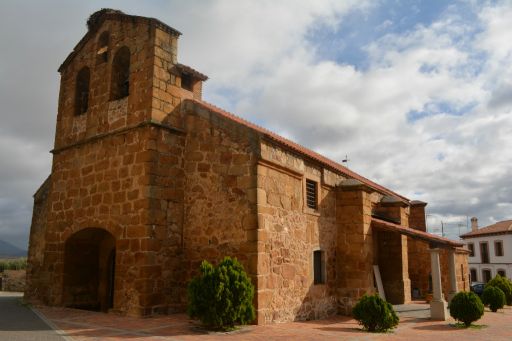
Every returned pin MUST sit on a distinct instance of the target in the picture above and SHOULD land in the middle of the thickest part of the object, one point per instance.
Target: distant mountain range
(7, 250)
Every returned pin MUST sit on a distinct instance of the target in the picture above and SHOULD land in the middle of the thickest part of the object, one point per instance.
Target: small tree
(504, 284)
(466, 307)
(221, 296)
(375, 314)
(494, 298)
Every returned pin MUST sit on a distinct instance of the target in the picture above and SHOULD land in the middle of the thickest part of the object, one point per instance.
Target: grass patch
(472, 326)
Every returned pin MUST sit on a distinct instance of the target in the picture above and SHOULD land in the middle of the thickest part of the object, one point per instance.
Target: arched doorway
(89, 270)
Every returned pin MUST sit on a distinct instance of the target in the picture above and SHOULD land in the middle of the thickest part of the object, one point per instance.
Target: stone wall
(393, 265)
(420, 268)
(288, 233)
(167, 91)
(219, 212)
(37, 243)
(355, 245)
(12, 280)
(105, 184)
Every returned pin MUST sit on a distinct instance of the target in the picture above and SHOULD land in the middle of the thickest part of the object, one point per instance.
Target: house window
(120, 81)
(502, 273)
(498, 248)
(486, 275)
(319, 267)
(102, 52)
(311, 194)
(484, 252)
(82, 91)
(473, 278)
(471, 248)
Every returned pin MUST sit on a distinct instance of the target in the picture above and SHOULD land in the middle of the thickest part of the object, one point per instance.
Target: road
(18, 322)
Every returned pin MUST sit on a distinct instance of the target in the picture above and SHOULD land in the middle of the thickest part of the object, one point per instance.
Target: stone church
(148, 180)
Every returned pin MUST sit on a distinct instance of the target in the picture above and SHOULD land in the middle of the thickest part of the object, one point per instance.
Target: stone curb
(51, 325)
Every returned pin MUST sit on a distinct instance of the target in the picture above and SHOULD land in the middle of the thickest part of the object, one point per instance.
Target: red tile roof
(431, 238)
(300, 149)
(501, 227)
(188, 70)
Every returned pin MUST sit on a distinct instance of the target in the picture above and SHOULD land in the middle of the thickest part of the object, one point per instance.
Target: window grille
(311, 194)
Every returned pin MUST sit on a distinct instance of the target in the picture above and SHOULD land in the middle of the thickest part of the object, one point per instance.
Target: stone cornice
(279, 168)
(117, 132)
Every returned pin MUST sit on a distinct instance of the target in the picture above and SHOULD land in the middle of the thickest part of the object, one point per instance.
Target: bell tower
(123, 72)
(116, 190)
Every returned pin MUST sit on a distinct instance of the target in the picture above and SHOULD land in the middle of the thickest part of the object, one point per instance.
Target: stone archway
(89, 270)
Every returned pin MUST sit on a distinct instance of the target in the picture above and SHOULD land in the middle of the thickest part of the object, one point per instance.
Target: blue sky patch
(346, 44)
(437, 108)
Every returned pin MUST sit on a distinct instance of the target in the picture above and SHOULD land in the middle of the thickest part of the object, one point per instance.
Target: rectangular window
(318, 267)
(498, 248)
(486, 274)
(473, 276)
(311, 194)
(502, 273)
(484, 252)
(471, 248)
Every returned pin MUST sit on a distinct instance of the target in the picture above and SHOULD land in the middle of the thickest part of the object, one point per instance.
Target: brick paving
(87, 325)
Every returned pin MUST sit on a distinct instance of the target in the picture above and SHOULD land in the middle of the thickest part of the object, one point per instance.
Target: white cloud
(457, 163)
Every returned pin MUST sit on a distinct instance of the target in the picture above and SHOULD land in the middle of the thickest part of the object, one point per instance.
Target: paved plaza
(86, 325)
(19, 322)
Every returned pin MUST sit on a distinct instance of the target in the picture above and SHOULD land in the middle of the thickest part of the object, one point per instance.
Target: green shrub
(466, 307)
(504, 284)
(494, 297)
(375, 314)
(221, 296)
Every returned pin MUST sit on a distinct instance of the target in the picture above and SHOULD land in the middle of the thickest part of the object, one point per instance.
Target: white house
(490, 250)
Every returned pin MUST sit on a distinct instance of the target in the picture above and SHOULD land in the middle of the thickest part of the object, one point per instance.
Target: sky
(417, 94)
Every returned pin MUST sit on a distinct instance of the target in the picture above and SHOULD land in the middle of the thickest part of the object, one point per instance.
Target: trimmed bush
(504, 284)
(375, 314)
(494, 297)
(221, 296)
(466, 307)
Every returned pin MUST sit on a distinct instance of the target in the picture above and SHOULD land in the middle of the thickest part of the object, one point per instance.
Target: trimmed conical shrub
(494, 298)
(375, 314)
(504, 284)
(221, 297)
(466, 307)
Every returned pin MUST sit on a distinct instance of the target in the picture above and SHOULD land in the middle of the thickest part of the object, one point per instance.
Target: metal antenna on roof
(345, 160)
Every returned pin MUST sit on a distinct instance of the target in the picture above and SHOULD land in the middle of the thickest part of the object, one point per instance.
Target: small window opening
(102, 53)
(473, 275)
(187, 82)
(318, 267)
(486, 274)
(120, 87)
(311, 194)
(498, 249)
(502, 273)
(82, 91)
(484, 252)
(471, 248)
